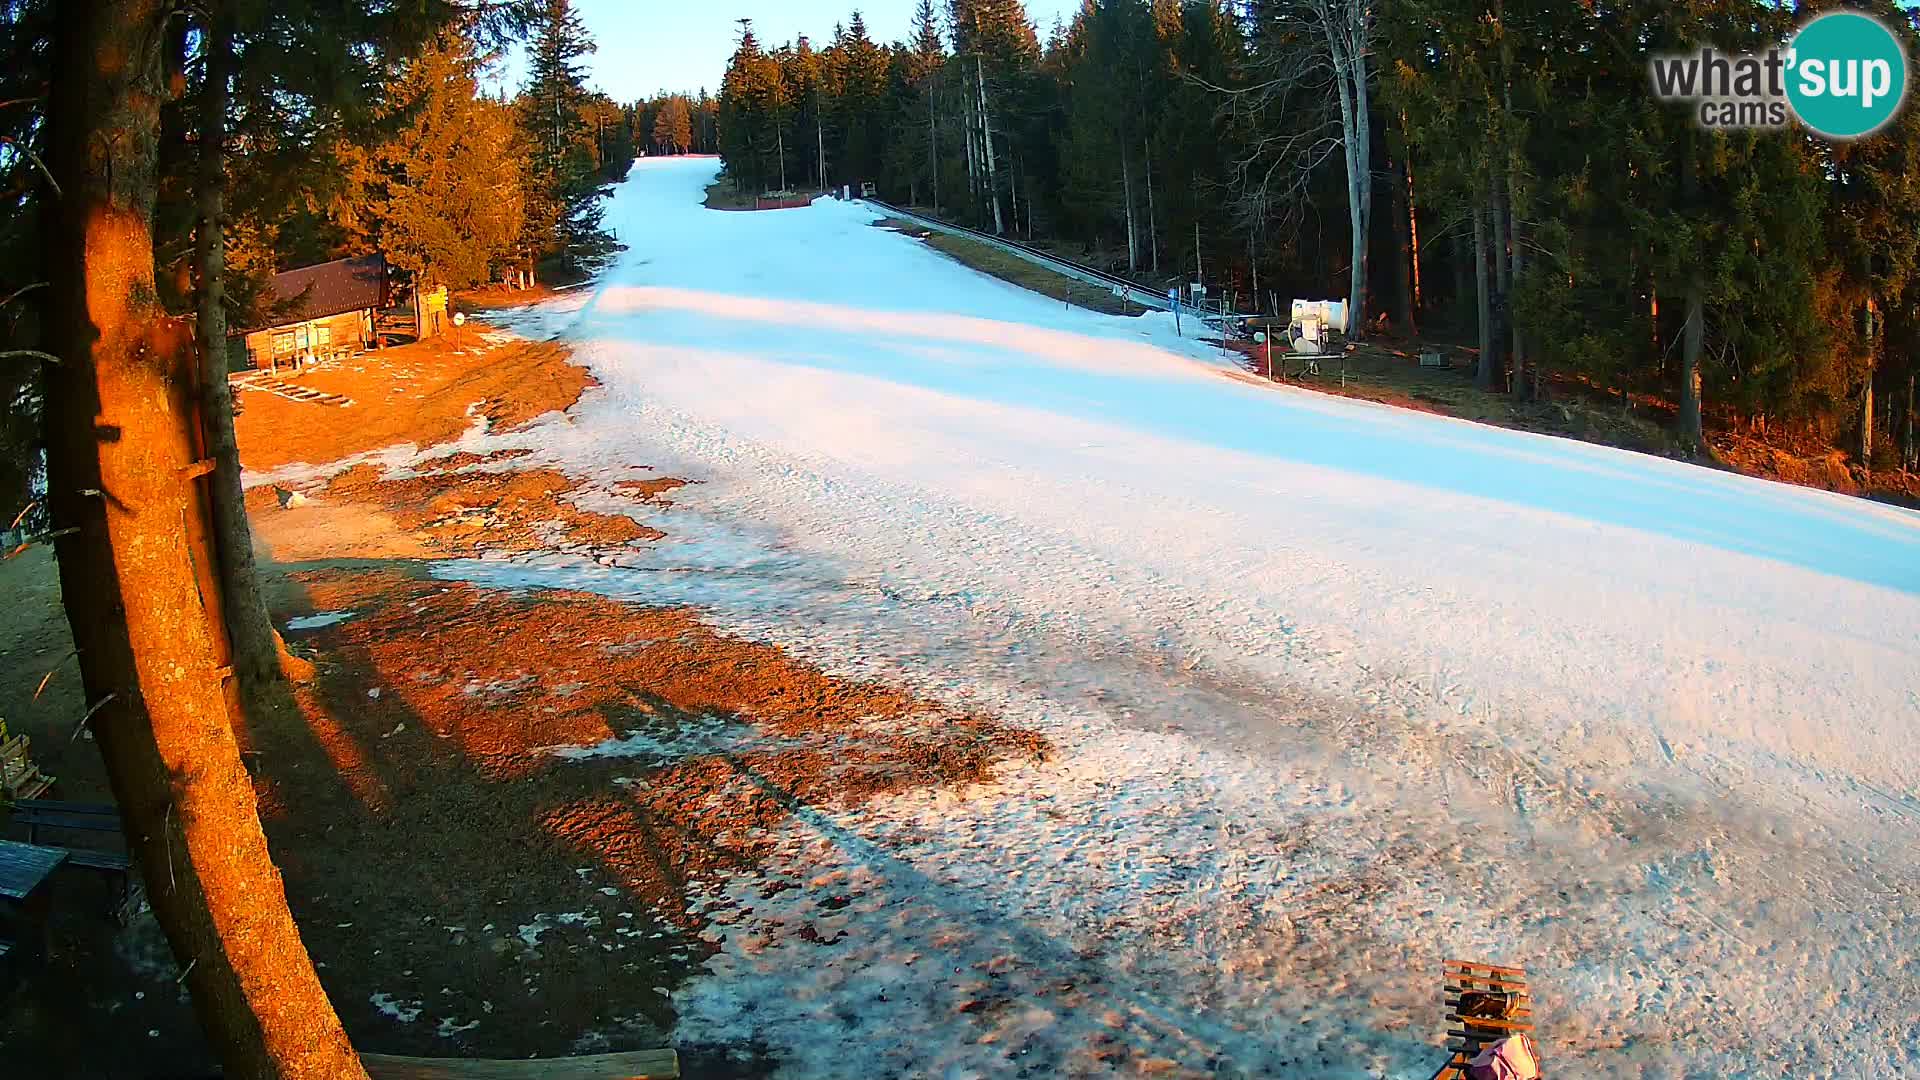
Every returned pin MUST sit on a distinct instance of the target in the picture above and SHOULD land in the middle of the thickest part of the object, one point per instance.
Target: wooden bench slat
(65, 807)
(1463, 965)
(634, 1065)
(1518, 1024)
(46, 819)
(98, 860)
(1486, 984)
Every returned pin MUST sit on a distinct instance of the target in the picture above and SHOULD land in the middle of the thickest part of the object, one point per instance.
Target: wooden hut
(320, 312)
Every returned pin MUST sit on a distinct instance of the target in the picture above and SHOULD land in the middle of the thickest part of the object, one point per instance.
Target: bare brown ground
(418, 394)
(466, 888)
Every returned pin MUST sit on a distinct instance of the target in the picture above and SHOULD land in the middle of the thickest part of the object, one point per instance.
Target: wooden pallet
(1466, 1035)
(20, 778)
(637, 1065)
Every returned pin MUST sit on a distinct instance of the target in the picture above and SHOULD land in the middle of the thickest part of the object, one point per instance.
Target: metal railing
(1133, 292)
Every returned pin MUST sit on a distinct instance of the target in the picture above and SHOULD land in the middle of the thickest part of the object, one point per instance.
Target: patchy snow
(400, 1009)
(529, 933)
(1338, 690)
(319, 619)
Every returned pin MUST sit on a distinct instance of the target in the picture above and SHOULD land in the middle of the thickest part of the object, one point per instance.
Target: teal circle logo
(1847, 74)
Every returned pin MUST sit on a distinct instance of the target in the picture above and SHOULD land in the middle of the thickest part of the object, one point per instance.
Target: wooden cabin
(320, 312)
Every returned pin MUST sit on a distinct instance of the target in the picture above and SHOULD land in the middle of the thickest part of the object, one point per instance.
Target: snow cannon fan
(1313, 324)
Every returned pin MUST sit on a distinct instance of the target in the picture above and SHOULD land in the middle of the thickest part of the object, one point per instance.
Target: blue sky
(652, 45)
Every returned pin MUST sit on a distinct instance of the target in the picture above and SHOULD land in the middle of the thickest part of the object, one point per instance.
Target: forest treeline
(1494, 171)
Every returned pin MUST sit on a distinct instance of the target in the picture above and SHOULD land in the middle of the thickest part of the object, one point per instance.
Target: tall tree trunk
(1911, 449)
(967, 111)
(120, 465)
(1344, 24)
(1413, 228)
(1126, 187)
(1485, 374)
(933, 148)
(1866, 422)
(820, 139)
(1153, 232)
(256, 654)
(1692, 343)
(1404, 243)
(1503, 275)
(986, 136)
(1693, 333)
(1519, 388)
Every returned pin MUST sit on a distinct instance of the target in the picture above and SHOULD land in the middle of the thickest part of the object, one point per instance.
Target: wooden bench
(20, 778)
(635, 1065)
(1485, 1004)
(116, 866)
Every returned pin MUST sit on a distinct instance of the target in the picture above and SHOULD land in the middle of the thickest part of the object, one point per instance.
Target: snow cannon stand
(1317, 329)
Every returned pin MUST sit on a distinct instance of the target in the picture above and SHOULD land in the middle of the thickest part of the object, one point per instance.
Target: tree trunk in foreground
(256, 654)
(133, 574)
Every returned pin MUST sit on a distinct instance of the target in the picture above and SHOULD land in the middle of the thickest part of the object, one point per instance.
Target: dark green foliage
(1146, 127)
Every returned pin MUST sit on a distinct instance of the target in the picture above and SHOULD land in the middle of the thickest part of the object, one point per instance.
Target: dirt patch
(651, 491)
(462, 459)
(722, 195)
(422, 394)
(498, 806)
(464, 514)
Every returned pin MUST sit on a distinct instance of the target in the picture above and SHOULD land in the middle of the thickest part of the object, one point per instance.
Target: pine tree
(441, 195)
(673, 129)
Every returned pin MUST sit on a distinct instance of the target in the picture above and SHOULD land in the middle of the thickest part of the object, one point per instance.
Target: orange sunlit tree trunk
(134, 567)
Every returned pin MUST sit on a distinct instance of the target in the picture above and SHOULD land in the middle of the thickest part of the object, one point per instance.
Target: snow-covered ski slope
(1338, 690)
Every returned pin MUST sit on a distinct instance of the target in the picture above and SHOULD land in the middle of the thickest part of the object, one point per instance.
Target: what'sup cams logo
(1842, 75)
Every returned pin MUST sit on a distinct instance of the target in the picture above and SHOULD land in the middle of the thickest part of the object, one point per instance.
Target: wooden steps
(20, 778)
(634, 1065)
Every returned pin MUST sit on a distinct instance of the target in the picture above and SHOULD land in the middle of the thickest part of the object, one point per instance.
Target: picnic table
(24, 872)
(25, 868)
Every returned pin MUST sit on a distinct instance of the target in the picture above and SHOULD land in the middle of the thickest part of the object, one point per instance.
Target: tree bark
(135, 571)
(986, 137)
(1484, 375)
(933, 147)
(1692, 343)
(1693, 333)
(1413, 229)
(1866, 423)
(1503, 277)
(1346, 26)
(1911, 448)
(256, 652)
(1404, 237)
(1126, 187)
(1520, 389)
(1153, 235)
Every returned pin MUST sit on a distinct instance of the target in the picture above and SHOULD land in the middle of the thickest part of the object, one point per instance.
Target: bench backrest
(54, 814)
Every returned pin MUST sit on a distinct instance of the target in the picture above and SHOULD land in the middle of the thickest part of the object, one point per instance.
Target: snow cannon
(1313, 324)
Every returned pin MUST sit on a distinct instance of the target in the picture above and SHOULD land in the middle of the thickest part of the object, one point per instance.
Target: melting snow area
(318, 619)
(1338, 690)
